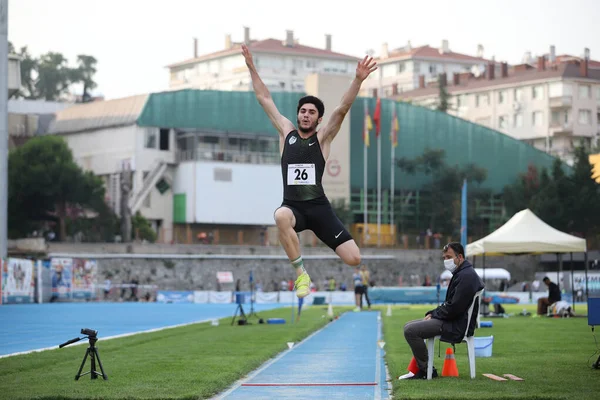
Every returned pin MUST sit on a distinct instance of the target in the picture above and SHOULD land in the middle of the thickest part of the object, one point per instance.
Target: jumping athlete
(304, 152)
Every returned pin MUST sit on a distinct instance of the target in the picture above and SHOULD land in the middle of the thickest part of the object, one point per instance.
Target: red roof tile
(430, 52)
(562, 70)
(269, 46)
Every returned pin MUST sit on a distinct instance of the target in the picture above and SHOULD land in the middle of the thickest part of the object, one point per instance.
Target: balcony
(233, 156)
(561, 128)
(561, 102)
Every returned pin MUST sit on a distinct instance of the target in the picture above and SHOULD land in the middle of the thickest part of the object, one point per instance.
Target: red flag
(377, 117)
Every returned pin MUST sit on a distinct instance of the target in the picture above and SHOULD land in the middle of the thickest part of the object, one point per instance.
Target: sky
(134, 40)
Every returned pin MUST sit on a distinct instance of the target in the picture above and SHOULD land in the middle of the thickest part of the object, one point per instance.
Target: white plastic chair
(468, 339)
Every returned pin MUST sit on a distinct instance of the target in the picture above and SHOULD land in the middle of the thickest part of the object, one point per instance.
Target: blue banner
(463, 216)
(175, 297)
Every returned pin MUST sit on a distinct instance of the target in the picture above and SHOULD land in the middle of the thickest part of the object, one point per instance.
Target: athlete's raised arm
(332, 126)
(281, 123)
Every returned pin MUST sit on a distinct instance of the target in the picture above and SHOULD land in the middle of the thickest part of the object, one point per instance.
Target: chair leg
(471, 354)
(430, 355)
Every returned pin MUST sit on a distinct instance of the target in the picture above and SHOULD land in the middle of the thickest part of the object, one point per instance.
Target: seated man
(449, 319)
(553, 297)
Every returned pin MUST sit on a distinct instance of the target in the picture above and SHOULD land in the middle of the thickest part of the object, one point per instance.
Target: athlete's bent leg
(349, 253)
(286, 221)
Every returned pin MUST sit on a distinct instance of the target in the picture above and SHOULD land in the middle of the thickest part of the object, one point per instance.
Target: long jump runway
(28, 327)
(341, 361)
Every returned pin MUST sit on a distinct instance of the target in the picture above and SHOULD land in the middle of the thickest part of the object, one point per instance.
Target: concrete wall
(171, 272)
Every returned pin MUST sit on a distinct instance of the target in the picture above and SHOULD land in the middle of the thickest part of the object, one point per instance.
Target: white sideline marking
(110, 337)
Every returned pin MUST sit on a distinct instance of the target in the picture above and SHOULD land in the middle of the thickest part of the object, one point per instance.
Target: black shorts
(318, 216)
(359, 290)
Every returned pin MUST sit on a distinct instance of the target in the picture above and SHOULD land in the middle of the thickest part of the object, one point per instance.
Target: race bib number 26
(301, 174)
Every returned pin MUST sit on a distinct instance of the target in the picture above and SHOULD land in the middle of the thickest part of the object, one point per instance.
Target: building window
(501, 97)
(598, 94)
(401, 67)
(150, 139)
(164, 139)
(537, 92)
(433, 69)
(585, 91)
(537, 118)
(518, 94)
(518, 120)
(482, 100)
(416, 67)
(585, 117)
(503, 122)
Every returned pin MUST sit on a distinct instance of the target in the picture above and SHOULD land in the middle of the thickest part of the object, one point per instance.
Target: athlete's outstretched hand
(247, 56)
(365, 67)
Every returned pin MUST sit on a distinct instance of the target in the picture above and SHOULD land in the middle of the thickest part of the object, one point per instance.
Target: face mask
(449, 265)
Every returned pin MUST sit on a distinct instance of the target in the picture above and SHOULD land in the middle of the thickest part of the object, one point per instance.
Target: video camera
(91, 351)
(89, 332)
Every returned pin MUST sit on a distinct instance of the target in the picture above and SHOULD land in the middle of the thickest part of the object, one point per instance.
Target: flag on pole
(377, 117)
(368, 126)
(395, 129)
(463, 216)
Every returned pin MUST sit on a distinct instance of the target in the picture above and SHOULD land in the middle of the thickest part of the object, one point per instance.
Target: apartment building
(405, 68)
(283, 65)
(552, 104)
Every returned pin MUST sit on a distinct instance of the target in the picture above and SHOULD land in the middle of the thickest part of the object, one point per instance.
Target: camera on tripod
(91, 351)
(89, 332)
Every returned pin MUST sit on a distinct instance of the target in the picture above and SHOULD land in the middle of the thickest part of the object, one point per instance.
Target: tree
(54, 76)
(445, 186)
(49, 77)
(444, 101)
(85, 74)
(584, 199)
(142, 228)
(45, 184)
(567, 202)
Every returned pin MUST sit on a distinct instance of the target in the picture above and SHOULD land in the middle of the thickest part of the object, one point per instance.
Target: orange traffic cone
(450, 368)
(413, 367)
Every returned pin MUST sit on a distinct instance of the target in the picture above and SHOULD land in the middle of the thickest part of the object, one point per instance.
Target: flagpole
(366, 188)
(379, 166)
(463, 216)
(392, 182)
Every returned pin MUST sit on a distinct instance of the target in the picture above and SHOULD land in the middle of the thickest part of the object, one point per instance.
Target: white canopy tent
(490, 273)
(525, 233)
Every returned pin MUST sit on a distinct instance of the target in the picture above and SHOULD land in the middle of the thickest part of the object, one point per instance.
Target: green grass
(552, 355)
(200, 361)
(192, 362)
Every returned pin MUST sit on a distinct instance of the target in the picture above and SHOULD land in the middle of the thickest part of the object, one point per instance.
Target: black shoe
(423, 374)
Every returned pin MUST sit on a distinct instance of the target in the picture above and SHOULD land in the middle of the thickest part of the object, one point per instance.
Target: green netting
(503, 157)
(464, 142)
(237, 112)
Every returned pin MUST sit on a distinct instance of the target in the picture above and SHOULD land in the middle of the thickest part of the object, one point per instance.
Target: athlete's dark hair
(312, 100)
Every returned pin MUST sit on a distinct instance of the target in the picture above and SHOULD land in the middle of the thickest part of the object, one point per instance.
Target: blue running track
(341, 361)
(27, 327)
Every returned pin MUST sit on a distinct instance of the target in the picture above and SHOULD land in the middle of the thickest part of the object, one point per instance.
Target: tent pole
(558, 261)
(585, 260)
(484, 268)
(572, 287)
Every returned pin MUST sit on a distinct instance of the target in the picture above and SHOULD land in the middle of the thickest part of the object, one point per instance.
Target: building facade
(552, 105)
(408, 68)
(282, 64)
(105, 139)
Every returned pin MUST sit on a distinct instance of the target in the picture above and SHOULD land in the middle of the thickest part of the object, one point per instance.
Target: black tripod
(91, 351)
(240, 308)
